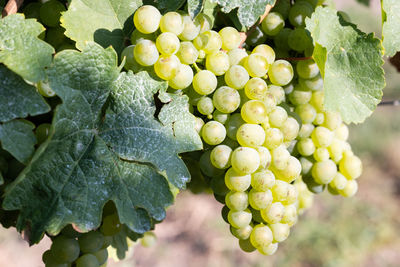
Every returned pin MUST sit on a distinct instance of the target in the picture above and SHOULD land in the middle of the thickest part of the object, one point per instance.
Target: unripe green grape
(306, 147)
(254, 111)
(319, 119)
(111, 225)
(217, 63)
(87, 260)
(280, 157)
(101, 256)
(190, 28)
(261, 236)
(277, 117)
(64, 250)
(250, 135)
(204, 21)
(183, 78)
(290, 129)
(338, 182)
(299, 40)
(299, 12)
(350, 189)
(219, 188)
(167, 43)
(336, 149)
(187, 53)
(290, 216)
(236, 181)
(260, 199)
(146, 53)
(292, 170)
(213, 133)
(299, 97)
(307, 69)
(220, 117)
(280, 231)
(147, 19)
(322, 137)
(245, 160)
(231, 143)
(55, 36)
(138, 36)
(265, 156)
(209, 41)
(239, 219)
(274, 213)
(342, 132)
(306, 112)
(262, 180)
(246, 245)
(130, 61)
(207, 167)
(236, 77)
(256, 89)
(324, 171)
(273, 23)
(281, 72)
(265, 50)
(167, 67)
(221, 156)
(230, 38)
(237, 201)
(273, 138)
(277, 92)
(270, 249)
(332, 120)
(306, 130)
(226, 99)
(204, 82)
(91, 242)
(50, 12)
(236, 56)
(350, 166)
(281, 39)
(256, 65)
(321, 154)
(45, 90)
(32, 10)
(233, 124)
(242, 233)
(314, 84)
(172, 22)
(256, 37)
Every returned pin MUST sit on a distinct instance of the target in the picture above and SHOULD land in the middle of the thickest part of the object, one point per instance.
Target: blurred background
(360, 231)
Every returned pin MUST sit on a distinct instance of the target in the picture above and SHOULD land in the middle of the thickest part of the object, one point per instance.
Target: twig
(390, 103)
(243, 35)
(12, 7)
(296, 58)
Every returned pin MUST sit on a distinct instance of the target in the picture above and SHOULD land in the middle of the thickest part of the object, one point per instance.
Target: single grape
(45, 90)
(273, 138)
(274, 213)
(183, 78)
(246, 245)
(239, 219)
(204, 21)
(205, 82)
(260, 199)
(111, 225)
(213, 133)
(290, 216)
(230, 38)
(262, 180)
(290, 129)
(199, 124)
(261, 236)
(50, 12)
(207, 167)
(87, 260)
(137, 36)
(299, 12)
(280, 157)
(220, 117)
(236, 56)
(332, 120)
(306, 130)
(167, 43)
(242, 233)
(209, 41)
(336, 149)
(282, 7)
(277, 117)
(265, 157)
(322, 137)
(278, 92)
(265, 50)
(101, 256)
(324, 171)
(245, 160)
(307, 69)
(167, 67)
(55, 36)
(217, 63)
(221, 156)
(236, 181)
(305, 147)
(148, 239)
(292, 170)
(171, 22)
(280, 231)
(250, 135)
(237, 201)
(299, 40)
(321, 154)
(273, 23)
(351, 167)
(299, 97)
(187, 53)
(233, 124)
(146, 53)
(256, 37)
(91, 242)
(281, 72)
(32, 10)
(64, 249)
(270, 249)
(236, 77)
(306, 112)
(254, 111)
(338, 182)
(350, 189)
(314, 84)
(256, 65)
(256, 89)
(281, 39)
(190, 28)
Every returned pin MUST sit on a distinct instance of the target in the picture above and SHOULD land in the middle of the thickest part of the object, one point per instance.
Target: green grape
(336, 149)
(221, 156)
(65, 250)
(167, 67)
(280, 157)
(226, 99)
(306, 130)
(324, 171)
(256, 89)
(290, 129)
(87, 260)
(230, 38)
(207, 167)
(280, 190)
(217, 63)
(256, 65)
(243, 98)
(205, 82)
(220, 117)
(265, 157)
(148, 239)
(306, 112)
(350, 166)
(319, 119)
(280, 231)
(265, 50)
(237, 182)
(299, 12)
(236, 77)
(305, 147)
(292, 170)
(342, 132)
(299, 97)
(101, 256)
(237, 201)
(42, 132)
(190, 28)
(290, 215)
(281, 72)
(281, 39)
(231, 143)
(262, 180)
(213, 133)
(209, 41)
(111, 225)
(322, 137)
(45, 90)
(91, 242)
(277, 117)
(246, 245)
(245, 160)
(183, 78)
(239, 219)
(314, 84)
(55, 36)
(236, 56)
(254, 111)
(321, 154)
(299, 40)
(271, 248)
(147, 19)
(146, 53)
(130, 61)
(138, 36)
(204, 21)
(282, 7)
(288, 88)
(273, 138)
(260, 199)
(261, 236)
(32, 10)
(250, 135)
(242, 233)
(350, 189)
(256, 37)
(233, 124)
(194, 97)
(332, 120)
(274, 213)
(307, 69)
(269, 102)
(167, 43)
(50, 12)
(277, 92)
(338, 182)
(172, 22)
(47, 256)
(187, 53)
(273, 24)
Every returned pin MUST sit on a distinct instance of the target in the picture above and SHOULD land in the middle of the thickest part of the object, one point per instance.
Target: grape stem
(390, 103)
(12, 7)
(243, 35)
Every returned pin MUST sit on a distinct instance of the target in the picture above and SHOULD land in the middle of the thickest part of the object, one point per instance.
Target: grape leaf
(391, 26)
(210, 9)
(248, 11)
(17, 137)
(106, 144)
(194, 7)
(107, 22)
(20, 48)
(351, 65)
(168, 5)
(17, 98)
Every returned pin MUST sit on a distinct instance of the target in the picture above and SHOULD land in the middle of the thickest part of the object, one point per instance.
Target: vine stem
(243, 35)
(12, 7)
(390, 103)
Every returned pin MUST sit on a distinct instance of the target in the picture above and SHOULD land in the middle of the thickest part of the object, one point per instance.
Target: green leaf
(17, 137)
(248, 11)
(210, 9)
(391, 26)
(351, 64)
(20, 48)
(168, 5)
(107, 22)
(17, 98)
(106, 144)
(194, 7)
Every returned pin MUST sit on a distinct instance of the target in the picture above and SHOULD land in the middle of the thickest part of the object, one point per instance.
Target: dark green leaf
(168, 5)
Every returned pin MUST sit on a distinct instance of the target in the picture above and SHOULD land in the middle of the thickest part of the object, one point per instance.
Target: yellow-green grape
(242, 233)
(236, 77)
(217, 63)
(239, 219)
(204, 21)
(280, 231)
(250, 135)
(45, 90)
(265, 156)
(111, 225)
(290, 215)
(146, 53)
(273, 23)
(336, 149)
(237, 201)
(91, 242)
(87, 260)
(332, 120)
(199, 124)
(319, 119)
(350, 189)
(292, 170)
(269, 102)
(236, 181)
(207, 168)
(204, 82)
(148, 239)
(273, 138)
(254, 111)
(322, 137)
(342, 132)
(233, 124)
(274, 213)
(187, 53)
(172, 22)
(236, 56)
(281, 72)
(292, 194)
(190, 28)
(299, 97)
(280, 190)
(226, 99)
(290, 129)
(306, 130)
(277, 117)
(245, 160)
(277, 92)
(260, 199)
(167, 67)
(306, 112)
(208, 41)
(351, 166)
(64, 250)
(230, 38)
(280, 157)
(261, 236)
(306, 165)
(147, 19)
(314, 84)
(268, 250)
(307, 69)
(256, 89)
(305, 147)
(256, 65)
(221, 156)
(137, 36)
(167, 43)
(50, 12)
(220, 117)
(338, 182)
(321, 154)
(213, 133)
(265, 50)
(246, 245)
(324, 171)
(205, 106)
(262, 180)
(317, 100)
(101, 256)
(183, 78)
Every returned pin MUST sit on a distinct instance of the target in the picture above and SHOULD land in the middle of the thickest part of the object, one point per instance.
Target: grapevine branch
(243, 35)
(12, 7)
